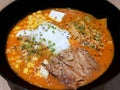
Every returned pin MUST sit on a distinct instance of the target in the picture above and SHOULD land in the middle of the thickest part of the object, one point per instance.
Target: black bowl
(21, 8)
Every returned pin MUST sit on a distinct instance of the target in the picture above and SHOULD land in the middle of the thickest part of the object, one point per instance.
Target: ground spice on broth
(86, 32)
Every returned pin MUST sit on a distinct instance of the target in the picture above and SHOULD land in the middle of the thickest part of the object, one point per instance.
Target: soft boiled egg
(55, 38)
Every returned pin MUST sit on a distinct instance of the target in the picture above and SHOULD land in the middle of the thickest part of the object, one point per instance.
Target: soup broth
(46, 33)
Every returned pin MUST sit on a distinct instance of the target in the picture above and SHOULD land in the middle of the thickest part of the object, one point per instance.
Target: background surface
(113, 84)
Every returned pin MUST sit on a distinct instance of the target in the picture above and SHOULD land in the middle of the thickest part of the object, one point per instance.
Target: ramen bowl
(18, 10)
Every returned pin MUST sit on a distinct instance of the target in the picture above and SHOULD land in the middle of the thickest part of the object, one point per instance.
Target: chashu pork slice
(72, 67)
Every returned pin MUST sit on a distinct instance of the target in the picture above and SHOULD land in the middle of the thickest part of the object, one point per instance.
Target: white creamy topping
(25, 33)
(50, 35)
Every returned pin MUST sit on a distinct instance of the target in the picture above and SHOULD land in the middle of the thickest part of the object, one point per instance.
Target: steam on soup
(60, 48)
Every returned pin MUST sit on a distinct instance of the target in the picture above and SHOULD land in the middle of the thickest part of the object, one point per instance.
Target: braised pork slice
(72, 67)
